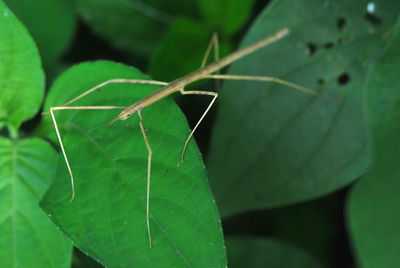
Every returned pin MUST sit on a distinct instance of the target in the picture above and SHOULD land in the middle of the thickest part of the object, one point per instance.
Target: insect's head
(125, 114)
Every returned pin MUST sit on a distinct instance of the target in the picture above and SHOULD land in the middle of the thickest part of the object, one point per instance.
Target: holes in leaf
(343, 79)
(5, 131)
(340, 23)
(320, 81)
(311, 48)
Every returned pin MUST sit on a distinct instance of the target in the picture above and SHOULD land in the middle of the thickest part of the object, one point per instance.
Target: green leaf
(28, 237)
(182, 49)
(50, 22)
(21, 78)
(226, 15)
(273, 145)
(255, 252)
(132, 25)
(107, 218)
(373, 208)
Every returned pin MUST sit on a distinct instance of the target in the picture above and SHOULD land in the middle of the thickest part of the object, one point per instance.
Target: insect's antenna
(113, 121)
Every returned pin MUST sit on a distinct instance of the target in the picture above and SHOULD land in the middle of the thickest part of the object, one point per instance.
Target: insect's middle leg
(149, 158)
(197, 92)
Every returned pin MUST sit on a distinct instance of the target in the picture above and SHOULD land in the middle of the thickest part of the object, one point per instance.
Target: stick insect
(178, 85)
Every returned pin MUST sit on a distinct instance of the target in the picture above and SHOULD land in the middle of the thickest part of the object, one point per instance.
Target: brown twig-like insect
(167, 89)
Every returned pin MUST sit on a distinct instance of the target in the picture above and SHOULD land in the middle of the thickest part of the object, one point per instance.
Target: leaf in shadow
(132, 25)
(373, 206)
(252, 252)
(226, 16)
(273, 145)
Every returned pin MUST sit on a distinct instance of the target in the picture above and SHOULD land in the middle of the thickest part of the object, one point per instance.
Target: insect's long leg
(113, 81)
(149, 155)
(57, 108)
(265, 79)
(213, 43)
(197, 92)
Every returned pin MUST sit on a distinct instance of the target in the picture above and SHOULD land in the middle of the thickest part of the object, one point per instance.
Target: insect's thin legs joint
(214, 43)
(149, 155)
(113, 81)
(58, 108)
(197, 92)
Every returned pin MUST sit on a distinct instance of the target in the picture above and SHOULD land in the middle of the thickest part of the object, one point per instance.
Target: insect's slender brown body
(180, 83)
(167, 89)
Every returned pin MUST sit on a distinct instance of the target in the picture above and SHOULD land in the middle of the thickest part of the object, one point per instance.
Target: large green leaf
(50, 22)
(21, 78)
(132, 25)
(256, 252)
(28, 237)
(273, 145)
(107, 218)
(373, 211)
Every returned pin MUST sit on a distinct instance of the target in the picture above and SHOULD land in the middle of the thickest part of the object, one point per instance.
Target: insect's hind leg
(267, 79)
(197, 92)
(214, 43)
